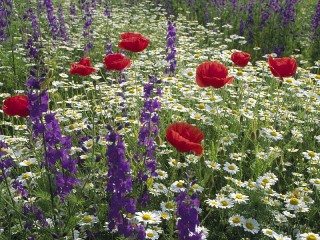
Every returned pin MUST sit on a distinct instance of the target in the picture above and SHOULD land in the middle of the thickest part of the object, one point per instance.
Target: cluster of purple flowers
(5, 12)
(62, 30)
(87, 31)
(288, 12)
(171, 48)
(6, 162)
(73, 11)
(37, 213)
(53, 25)
(150, 122)
(119, 186)
(188, 215)
(315, 22)
(31, 14)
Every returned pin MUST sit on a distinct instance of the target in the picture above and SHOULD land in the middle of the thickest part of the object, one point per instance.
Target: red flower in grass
(82, 68)
(116, 61)
(185, 137)
(282, 67)
(133, 42)
(240, 59)
(212, 74)
(16, 106)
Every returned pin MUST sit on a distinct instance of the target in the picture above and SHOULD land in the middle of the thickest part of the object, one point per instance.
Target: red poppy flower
(240, 59)
(16, 106)
(116, 61)
(185, 137)
(133, 42)
(282, 67)
(82, 68)
(212, 74)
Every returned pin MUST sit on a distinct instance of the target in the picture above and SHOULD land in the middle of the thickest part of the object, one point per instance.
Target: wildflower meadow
(159, 119)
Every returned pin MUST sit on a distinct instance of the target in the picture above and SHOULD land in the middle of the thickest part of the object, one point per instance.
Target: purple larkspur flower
(188, 216)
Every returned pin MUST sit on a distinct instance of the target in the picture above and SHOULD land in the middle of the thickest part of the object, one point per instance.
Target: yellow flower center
(273, 133)
(224, 203)
(239, 196)
(150, 234)
(87, 219)
(169, 205)
(231, 167)
(294, 201)
(26, 176)
(190, 73)
(146, 216)
(317, 181)
(213, 164)
(311, 237)
(236, 220)
(201, 106)
(312, 154)
(160, 187)
(250, 226)
(240, 73)
(180, 184)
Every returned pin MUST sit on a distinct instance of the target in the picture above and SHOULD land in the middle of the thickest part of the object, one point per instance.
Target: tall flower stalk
(171, 48)
(119, 186)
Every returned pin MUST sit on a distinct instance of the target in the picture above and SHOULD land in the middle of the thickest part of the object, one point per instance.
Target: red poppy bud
(185, 137)
(282, 67)
(240, 59)
(133, 42)
(116, 61)
(82, 67)
(16, 106)
(212, 74)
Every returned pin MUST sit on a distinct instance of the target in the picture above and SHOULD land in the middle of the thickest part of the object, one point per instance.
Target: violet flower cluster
(171, 48)
(6, 162)
(53, 25)
(188, 215)
(87, 31)
(150, 124)
(5, 12)
(315, 21)
(119, 186)
(62, 30)
(73, 11)
(288, 12)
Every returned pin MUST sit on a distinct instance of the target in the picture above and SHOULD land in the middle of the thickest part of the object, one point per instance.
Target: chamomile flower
(311, 155)
(236, 220)
(151, 234)
(271, 133)
(178, 186)
(315, 182)
(148, 217)
(168, 206)
(159, 188)
(161, 174)
(27, 162)
(225, 202)
(309, 236)
(251, 225)
(196, 187)
(268, 232)
(189, 73)
(213, 165)
(88, 220)
(231, 168)
(239, 197)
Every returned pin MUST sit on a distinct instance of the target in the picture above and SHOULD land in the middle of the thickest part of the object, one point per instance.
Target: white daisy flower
(251, 225)
(148, 217)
